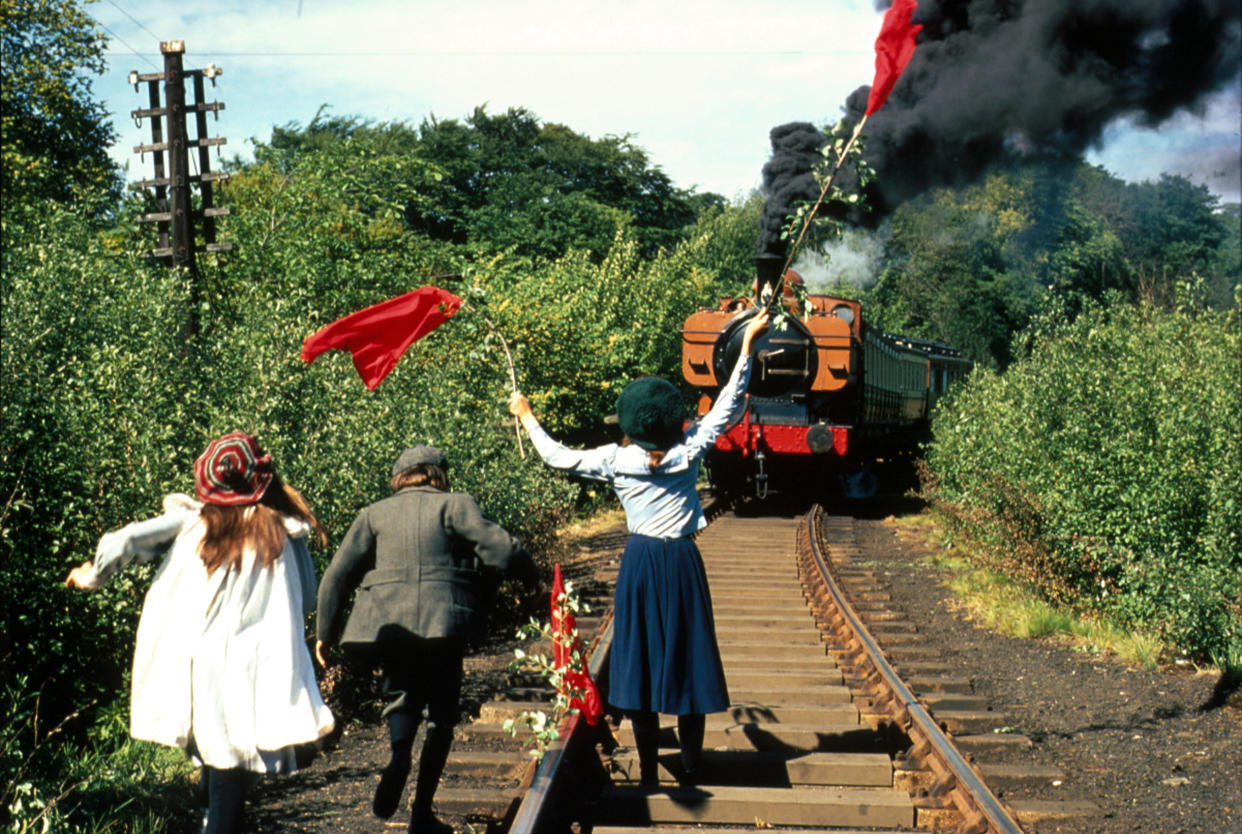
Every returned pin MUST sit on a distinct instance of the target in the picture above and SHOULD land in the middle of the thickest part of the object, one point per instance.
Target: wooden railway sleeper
(937, 793)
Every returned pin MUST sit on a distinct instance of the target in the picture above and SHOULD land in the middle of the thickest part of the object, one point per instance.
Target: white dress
(220, 659)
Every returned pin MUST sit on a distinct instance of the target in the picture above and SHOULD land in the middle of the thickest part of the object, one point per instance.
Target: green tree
(946, 279)
(511, 182)
(1166, 230)
(969, 265)
(1086, 257)
(53, 135)
(1105, 467)
(1226, 269)
(1173, 226)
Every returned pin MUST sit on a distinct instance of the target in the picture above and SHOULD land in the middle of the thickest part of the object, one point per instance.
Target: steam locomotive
(832, 405)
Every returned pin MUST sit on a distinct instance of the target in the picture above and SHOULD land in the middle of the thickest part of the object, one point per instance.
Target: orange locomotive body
(829, 398)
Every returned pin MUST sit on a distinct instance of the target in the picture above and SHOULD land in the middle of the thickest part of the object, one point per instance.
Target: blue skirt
(664, 654)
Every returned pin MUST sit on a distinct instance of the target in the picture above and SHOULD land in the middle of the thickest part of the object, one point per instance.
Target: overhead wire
(682, 53)
(117, 37)
(136, 20)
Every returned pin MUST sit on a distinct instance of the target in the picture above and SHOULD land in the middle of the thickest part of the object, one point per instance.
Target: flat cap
(419, 455)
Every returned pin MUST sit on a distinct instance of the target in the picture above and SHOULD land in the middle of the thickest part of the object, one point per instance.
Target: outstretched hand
(756, 326)
(78, 576)
(519, 406)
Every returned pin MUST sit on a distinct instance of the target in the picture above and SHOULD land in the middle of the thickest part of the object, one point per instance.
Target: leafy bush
(113, 381)
(1105, 465)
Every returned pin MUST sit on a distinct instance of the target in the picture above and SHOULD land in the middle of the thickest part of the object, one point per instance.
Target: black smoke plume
(788, 180)
(1006, 81)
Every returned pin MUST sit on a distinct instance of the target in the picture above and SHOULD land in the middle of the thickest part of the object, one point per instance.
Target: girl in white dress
(221, 666)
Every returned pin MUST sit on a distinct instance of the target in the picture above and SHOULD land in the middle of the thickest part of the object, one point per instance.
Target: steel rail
(530, 812)
(977, 792)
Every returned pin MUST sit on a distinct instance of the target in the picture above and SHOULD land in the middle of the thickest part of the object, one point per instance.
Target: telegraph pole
(177, 220)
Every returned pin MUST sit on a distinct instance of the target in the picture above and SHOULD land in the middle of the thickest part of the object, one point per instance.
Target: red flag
(379, 334)
(564, 643)
(893, 48)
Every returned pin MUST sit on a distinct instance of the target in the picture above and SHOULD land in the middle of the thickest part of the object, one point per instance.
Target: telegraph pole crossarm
(176, 218)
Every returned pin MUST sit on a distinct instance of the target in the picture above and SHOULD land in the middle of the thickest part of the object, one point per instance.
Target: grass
(592, 526)
(106, 786)
(998, 602)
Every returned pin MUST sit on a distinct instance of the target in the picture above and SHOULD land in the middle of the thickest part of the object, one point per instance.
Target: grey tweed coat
(420, 560)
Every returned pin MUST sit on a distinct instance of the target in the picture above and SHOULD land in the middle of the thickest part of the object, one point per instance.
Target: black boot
(402, 727)
(430, 767)
(227, 796)
(690, 730)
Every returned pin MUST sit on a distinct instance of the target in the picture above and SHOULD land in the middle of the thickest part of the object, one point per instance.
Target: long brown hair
(231, 528)
(654, 456)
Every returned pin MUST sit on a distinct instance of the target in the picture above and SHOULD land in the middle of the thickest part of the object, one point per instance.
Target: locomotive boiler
(831, 404)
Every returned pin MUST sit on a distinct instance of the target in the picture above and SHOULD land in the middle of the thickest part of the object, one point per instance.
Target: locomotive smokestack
(767, 273)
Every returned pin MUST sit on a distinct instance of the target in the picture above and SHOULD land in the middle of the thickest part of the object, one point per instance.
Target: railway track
(823, 732)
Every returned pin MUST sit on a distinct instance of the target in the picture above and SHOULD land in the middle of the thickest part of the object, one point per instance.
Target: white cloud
(698, 84)
(1206, 148)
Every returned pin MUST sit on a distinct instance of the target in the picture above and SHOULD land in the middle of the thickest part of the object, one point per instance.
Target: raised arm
(141, 541)
(589, 463)
(717, 418)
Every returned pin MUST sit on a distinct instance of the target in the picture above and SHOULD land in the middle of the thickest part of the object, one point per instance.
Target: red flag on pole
(564, 643)
(893, 48)
(378, 335)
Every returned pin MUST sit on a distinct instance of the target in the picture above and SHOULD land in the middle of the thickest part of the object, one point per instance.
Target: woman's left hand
(756, 326)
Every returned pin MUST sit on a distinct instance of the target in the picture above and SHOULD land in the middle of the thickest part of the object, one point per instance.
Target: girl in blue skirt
(664, 654)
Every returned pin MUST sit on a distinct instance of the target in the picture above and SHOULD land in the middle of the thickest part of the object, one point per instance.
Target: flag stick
(894, 47)
(806, 224)
(512, 370)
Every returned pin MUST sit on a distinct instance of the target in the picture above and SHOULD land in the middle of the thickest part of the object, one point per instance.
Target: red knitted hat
(233, 470)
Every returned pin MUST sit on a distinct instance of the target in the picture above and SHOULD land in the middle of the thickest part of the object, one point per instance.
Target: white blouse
(662, 503)
(220, 659)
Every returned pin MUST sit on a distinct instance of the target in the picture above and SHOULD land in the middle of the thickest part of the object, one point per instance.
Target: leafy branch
(544, 727)
(806, 218)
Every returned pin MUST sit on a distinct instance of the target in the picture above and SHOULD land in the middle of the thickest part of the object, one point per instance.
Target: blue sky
(697, 85)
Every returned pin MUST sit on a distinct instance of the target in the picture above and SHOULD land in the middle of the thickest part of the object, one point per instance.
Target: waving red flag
(564, 643)
(893, 48)
(378, 335)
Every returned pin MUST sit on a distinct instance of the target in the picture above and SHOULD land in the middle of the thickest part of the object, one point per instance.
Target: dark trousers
(422, 675)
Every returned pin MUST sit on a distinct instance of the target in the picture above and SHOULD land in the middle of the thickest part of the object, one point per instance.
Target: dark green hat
(650, 413)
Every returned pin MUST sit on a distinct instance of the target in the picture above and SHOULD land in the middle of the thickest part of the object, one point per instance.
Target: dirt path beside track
(1139, 744)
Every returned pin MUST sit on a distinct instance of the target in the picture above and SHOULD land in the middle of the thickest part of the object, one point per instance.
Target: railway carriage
(831, 404)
